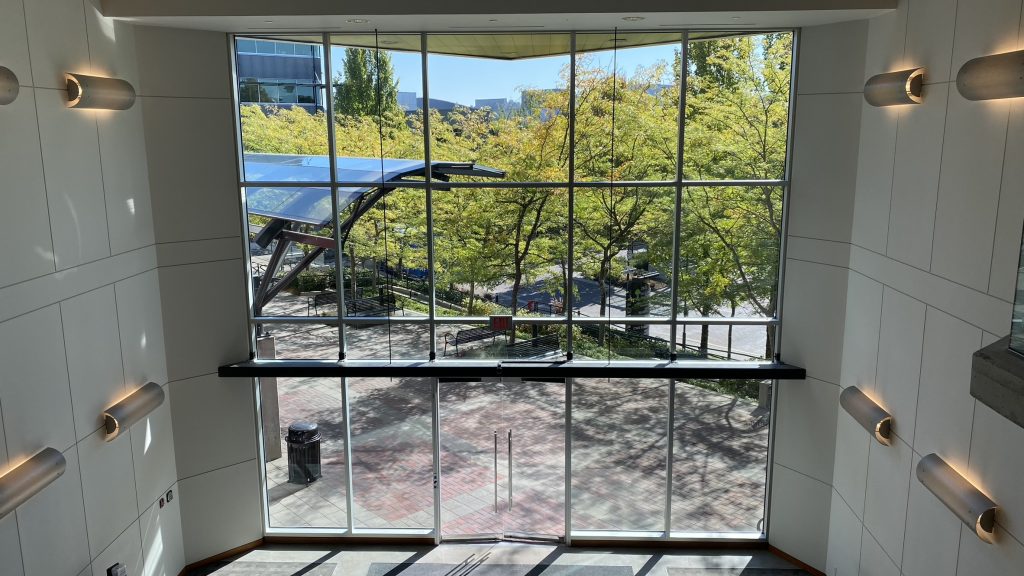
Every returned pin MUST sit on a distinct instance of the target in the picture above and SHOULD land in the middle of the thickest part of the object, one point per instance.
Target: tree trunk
(472, 297)
(704, 329)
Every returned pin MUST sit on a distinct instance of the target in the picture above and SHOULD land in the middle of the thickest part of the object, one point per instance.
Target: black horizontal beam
(690, 369)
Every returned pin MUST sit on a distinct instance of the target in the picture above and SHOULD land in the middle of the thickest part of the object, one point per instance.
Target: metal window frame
(670, 371)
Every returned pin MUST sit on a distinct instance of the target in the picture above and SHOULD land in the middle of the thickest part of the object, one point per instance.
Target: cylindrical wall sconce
(96, 92)
(894, 88)
(133, 408)
(29, 478)
(8, 86)
(868, 414)
(968, 503)
(991, 77)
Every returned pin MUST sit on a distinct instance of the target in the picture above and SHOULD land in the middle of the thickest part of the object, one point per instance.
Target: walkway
(619, 450)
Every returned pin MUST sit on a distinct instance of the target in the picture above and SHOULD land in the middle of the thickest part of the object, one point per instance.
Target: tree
(737, 113)
(367, 74)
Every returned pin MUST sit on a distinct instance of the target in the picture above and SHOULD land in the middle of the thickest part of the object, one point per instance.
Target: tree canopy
(626, 129)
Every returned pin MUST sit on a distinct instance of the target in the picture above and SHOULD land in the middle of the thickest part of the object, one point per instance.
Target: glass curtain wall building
(557, 199)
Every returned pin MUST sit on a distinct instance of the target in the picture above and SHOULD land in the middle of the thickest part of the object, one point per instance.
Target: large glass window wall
(607, 196)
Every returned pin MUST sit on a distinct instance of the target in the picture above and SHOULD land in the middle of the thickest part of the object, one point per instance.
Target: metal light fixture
(868, 414)
(991, 77)
(8, 86)
(961, 497)
(31, 476)
(894, 88)
(96, 92)
(133, 408)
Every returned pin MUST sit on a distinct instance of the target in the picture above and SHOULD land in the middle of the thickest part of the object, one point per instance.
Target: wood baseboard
(795, 561)
(222, 556)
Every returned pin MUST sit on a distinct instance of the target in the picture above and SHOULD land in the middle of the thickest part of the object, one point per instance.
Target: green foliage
(736, 116)
(310, 281)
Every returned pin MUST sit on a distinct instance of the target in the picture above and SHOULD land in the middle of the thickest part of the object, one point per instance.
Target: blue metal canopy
(312, 205)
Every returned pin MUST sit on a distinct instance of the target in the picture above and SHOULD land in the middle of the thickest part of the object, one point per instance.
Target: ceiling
(276, 16)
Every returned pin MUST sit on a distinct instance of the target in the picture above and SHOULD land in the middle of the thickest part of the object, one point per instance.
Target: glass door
(502, 459)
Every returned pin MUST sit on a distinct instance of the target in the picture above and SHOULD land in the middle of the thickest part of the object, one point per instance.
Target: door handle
(495, 471)
(509, 468)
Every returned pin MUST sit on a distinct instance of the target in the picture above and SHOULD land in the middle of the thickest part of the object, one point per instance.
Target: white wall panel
(205, 405)
(899, 359)
(220, 510)
(916, 178)
(55, 515)
(878, 127)
(74, 180)
(36, 397)
(24, 221)
(972, 161)
(825, 147)
(93, 346)
(945, 408)
(800, 509)
(108, 486)
(885, 503)
(57, 43)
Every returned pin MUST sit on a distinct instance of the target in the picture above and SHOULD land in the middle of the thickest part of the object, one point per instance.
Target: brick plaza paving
(619, 441)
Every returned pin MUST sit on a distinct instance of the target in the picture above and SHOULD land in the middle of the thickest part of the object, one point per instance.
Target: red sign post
(501, 323)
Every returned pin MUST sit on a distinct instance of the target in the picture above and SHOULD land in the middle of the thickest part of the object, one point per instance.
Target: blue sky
(463, 80)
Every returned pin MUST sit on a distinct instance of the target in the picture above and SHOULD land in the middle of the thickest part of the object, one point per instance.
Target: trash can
(303, 453)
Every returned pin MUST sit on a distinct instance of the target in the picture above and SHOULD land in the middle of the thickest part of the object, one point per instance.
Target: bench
(467, 336)
(540, 346)
(328, 298)
(382, 306)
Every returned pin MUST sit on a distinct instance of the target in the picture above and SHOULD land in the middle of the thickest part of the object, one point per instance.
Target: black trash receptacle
(303, 453)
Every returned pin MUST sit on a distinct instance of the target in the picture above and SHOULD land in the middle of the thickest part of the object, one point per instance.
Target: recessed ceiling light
(632, 18)
(736, 18)
(357, 20)
(492, 19)
(268, 21)
(389, 42)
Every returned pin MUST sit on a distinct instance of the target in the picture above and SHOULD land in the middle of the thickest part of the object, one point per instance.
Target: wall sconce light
(8, 86)
(961, 497)
(868, 414)
(25, 481)
(894, 88)
(96, 92)
(991, 77)
(133, 408)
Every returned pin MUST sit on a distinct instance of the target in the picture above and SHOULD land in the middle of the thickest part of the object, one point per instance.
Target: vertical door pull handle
(495, 471)
(509, 468)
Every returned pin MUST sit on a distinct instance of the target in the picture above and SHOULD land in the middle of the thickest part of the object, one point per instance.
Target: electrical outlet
(170, 495)
(117, 570)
